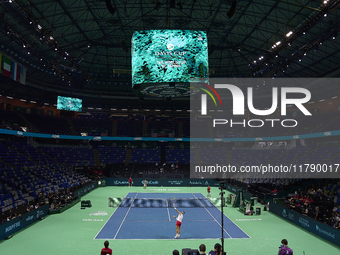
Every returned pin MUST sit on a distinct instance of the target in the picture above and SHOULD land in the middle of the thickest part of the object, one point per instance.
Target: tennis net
(163, 202)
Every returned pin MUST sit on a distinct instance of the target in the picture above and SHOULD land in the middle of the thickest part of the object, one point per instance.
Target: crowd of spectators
(317, 204)
(283, 250)
(202, 250)
(159, 169)
(56, 200)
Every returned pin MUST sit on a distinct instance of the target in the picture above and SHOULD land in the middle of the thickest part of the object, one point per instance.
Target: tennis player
(145, 182)
(179, 222)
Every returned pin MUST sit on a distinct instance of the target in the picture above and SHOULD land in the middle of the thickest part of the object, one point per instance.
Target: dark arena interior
(116, 116)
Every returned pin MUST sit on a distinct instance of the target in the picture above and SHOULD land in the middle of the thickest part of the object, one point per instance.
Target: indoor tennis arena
(156, 127)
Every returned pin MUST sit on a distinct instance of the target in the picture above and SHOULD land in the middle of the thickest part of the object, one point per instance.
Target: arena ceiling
(83, 47)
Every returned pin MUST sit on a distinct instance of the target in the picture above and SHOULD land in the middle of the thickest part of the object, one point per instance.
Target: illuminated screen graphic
(163, 56)
(69, 104)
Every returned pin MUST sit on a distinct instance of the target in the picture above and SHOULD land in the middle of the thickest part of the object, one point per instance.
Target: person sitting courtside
(106, 250)
(217, 250)
(202, 249)
(175, 252)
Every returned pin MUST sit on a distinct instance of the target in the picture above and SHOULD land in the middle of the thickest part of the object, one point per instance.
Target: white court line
(211, 214)
(163, 220)
(110, 218)
(231, 221)
(166, 239)
(121, 224)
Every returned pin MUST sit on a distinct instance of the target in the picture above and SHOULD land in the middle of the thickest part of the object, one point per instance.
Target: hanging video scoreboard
(169, 56)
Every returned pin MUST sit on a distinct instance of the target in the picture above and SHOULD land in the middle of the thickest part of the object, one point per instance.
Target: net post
(222, 222)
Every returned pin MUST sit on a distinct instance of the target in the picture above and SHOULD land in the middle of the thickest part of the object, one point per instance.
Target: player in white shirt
(179, 222)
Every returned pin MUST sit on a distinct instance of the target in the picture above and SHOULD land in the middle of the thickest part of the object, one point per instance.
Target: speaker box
(232, 10)
(109, 7)
(172, 4)
(86, 203)
(123, 45)
(185, 251)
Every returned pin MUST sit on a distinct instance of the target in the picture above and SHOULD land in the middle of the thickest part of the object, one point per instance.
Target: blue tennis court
(135, 222)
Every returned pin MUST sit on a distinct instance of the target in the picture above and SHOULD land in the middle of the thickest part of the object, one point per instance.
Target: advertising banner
(316, 227)
(84, 190)
(15, 225)
(163, 182)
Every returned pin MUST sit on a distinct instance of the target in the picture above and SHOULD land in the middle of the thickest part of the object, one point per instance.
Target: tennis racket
(174, 201)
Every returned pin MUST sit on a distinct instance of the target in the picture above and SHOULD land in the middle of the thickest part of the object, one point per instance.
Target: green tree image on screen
(69, 104)
(163, 56)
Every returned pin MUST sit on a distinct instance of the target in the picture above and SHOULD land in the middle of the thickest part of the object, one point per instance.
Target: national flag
(7, 67)
(15, 71)
(22, 75)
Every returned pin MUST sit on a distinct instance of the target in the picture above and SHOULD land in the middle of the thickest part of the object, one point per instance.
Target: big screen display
(69, 104)
(165, 56)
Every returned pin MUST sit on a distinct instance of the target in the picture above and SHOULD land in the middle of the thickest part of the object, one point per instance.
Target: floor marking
(125, 216)
(211, 215)
(109, 217)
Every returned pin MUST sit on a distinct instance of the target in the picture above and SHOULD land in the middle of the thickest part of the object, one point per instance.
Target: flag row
(12, 69)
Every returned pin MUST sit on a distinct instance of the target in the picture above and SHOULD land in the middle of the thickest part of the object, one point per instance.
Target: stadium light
(289, 33)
